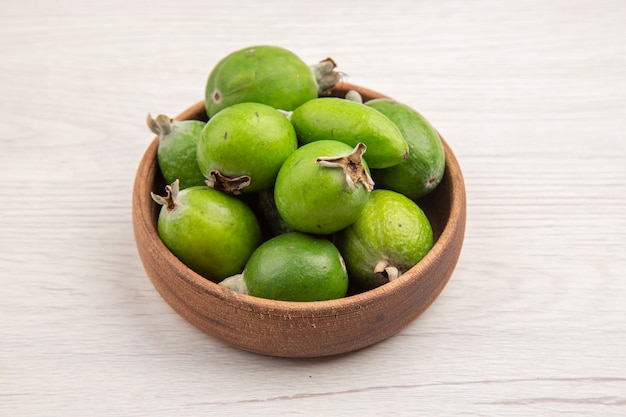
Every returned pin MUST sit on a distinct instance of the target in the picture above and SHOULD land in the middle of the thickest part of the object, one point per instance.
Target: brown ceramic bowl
(301, 329)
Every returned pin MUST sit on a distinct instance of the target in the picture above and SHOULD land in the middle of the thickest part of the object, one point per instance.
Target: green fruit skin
(315, 199)
(331, 118)
(424, 167)
(296, 267)
(247, 139)
(176, 153)
(211, 232)
(264, 74)
(391, 227)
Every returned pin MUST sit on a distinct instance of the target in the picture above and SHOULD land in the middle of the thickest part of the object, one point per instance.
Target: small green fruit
(211, 232)
(176, 155)
(296, 267)
(391, 235)
(322, 187)
(242, 147)
(266, 74)
(350, 122)
(424, 167)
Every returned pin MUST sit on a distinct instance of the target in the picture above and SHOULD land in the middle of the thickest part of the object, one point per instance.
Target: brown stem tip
(325, 75)
(170, 199)
(235, 283)
(352, 165)
(234, 185)
(387, 270)
(162, 125)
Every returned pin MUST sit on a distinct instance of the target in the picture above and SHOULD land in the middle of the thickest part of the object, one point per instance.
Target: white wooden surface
(531, 95)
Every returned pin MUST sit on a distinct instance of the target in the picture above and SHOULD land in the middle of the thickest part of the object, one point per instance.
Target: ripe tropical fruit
(176, 154)
(322, 187)
(424, 167)
(390, 236)
(350, 122)
(213, 233)
(243, 146)
(296, 267)
(266, 74)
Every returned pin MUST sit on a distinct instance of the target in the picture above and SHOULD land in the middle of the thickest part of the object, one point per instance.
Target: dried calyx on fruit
(352, 166)
(226, 184)
(325, 75)
(169, 200)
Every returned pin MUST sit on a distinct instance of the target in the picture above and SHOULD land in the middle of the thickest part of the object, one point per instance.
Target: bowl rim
(310, 308)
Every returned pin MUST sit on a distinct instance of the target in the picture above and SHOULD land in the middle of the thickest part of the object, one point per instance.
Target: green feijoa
(296, 267)
(322, 187)
(332, 118)
(211, 232)
(390, 236)
(242, 147)
(176, 154)
(424, 167)
(266, 74)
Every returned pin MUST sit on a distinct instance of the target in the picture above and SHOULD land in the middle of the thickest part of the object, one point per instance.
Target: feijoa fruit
(243, 146)
(332, 118)
(296, 267)
(266, 74)
(211, 232)
(424, 167)
(391, 235)
(176, 154)
(322, 187)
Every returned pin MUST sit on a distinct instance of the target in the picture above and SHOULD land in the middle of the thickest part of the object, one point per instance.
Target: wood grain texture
(530, 95)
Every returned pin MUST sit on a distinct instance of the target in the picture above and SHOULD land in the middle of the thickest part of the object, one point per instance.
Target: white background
(531, 96)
